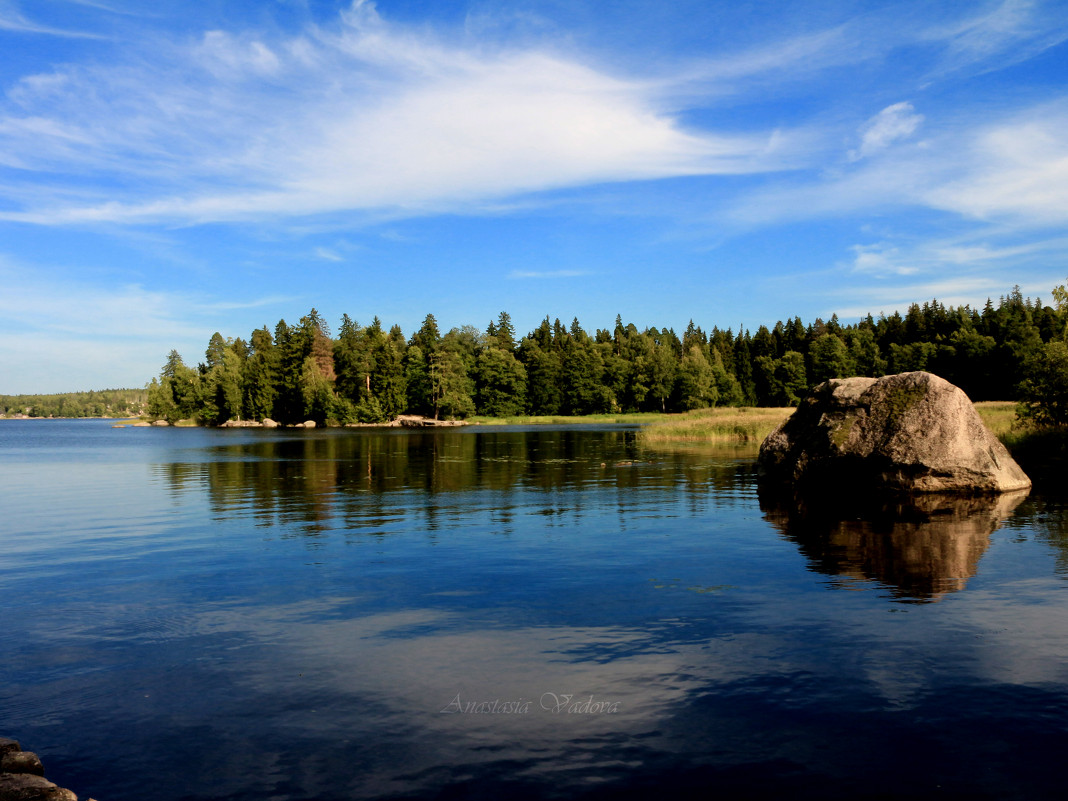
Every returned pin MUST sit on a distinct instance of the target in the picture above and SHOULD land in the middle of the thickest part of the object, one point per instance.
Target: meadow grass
(1000, 418)
(724, 425)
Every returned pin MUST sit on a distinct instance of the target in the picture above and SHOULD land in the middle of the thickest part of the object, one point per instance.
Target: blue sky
(168, 170)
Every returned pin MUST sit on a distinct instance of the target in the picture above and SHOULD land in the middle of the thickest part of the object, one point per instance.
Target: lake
(519, 613)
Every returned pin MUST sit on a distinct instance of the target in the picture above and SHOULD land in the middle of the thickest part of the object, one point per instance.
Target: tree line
(95, 403)
(369, 374)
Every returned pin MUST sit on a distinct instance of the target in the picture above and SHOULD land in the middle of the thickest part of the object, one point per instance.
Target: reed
(635, 418)
(742, 425)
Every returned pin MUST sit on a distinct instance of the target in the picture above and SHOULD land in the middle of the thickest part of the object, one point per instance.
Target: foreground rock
(22, 779)
(913, 432)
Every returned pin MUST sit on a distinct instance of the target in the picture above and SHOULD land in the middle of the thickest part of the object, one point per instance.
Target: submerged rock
(912, 432)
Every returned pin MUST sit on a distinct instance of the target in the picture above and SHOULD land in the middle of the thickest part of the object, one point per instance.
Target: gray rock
(309, 424)
(161, 423)
(912, 432)
(28, 787)
(269, 423)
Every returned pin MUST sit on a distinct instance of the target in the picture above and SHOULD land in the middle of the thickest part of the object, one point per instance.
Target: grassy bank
(638, 418)
(751, 425)
(726, 425)
(1042, 452)
(1000, 418)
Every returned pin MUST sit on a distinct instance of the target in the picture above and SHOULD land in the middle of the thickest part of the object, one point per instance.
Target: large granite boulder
(913, 432)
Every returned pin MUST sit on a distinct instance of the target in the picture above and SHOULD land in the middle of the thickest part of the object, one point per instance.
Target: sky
(168, 170)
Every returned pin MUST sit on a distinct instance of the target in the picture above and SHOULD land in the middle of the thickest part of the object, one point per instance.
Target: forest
(94, 403)
(1014, 350)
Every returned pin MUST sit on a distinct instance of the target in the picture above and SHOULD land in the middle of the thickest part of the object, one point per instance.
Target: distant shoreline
(27, 417)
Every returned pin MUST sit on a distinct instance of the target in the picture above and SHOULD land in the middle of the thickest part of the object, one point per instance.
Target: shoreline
(22, 776)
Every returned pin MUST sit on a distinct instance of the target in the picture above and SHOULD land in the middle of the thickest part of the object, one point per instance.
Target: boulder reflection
(920, 547)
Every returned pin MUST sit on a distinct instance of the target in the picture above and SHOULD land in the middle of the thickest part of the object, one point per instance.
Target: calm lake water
(511, 613)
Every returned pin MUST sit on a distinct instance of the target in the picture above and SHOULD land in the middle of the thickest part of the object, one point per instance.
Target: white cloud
(328, 255)
(1016, 169)
(890, 125)
(364, 116)
(228, 56)
(880, 259)
(1001, 34)
(1012, 171)
(952, 290)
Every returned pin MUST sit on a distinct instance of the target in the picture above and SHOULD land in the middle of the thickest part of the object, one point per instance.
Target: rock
(21, 762)
(912, 432)
(309, 424)
(7, 745)
(161, 423)
(418, 421)
(269, 423)
(28, 787)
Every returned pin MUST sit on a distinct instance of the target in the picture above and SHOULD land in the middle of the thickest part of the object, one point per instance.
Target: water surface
(509, 612)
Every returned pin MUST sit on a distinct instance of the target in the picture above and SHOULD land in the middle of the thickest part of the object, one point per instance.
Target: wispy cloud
(11, 19)
(328, 255)
(951, 291)
(1017, 168)
(1000, 34)
(360, 116)
(893, 123)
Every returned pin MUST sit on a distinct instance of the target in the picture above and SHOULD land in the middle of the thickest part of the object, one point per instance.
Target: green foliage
(1045, 391)
(502, 383)
(829, 358)
(697, 389)
(781, 382)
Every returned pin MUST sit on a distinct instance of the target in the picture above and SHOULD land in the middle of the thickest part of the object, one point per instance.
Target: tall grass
(1000, 418)
(639, 418)
(725, 425)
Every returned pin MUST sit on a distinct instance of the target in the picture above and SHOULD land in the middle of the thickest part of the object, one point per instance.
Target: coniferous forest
(94, 403)
(365, 373)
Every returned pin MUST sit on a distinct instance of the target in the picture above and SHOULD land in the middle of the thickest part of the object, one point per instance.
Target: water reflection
(921, 547)
(374, 481)
(292, 615)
